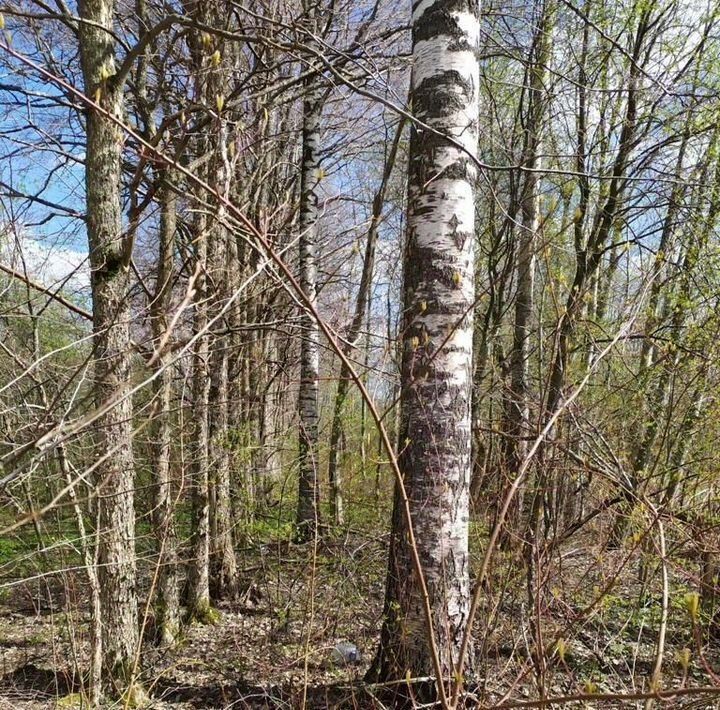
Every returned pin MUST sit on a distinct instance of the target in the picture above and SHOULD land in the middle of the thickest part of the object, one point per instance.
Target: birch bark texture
(436, 370)
(109, 262)
(308, 511)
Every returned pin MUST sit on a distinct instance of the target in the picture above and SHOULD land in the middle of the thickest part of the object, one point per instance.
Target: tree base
(136, 697)
(203, 614)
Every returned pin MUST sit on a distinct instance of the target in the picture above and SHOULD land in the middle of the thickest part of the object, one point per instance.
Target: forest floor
(273, 648)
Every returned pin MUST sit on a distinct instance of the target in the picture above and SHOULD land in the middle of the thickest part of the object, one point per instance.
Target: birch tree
(436, 370)
(308, 512)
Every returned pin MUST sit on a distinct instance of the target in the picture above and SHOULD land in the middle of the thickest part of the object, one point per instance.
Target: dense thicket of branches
(305, 279)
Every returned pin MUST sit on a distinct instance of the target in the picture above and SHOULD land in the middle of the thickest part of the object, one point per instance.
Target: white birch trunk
(439, 292)
(308, 491)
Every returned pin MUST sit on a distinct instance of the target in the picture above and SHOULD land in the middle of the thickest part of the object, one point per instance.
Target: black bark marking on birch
(442, 95)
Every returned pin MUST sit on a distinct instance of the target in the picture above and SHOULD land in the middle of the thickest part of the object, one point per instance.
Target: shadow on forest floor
(30, 682)
(39, 683)
(246, 695)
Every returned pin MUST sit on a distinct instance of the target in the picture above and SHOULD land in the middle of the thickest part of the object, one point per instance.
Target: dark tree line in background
(444, 277)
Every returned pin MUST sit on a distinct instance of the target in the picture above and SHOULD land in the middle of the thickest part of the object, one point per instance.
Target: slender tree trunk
(436, 375)
(109, 261)
(224, 564)
(167, 594)
(94, 682)
(354, 330)
(275, 412)
(647, 355)
(660, 398)
(517, 404)
(240, 419)
(198, 581)
(308, 512)
(486, 485)
(167, 602)
(685, 438)
(209, 252)
(267, 464)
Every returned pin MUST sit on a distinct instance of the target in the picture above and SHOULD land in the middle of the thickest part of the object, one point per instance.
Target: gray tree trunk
(167, 595)
(223, 564)
(517, 405)
(436, 370)
(109, 260)
(198, 581)
(209, 254)
(167, 602)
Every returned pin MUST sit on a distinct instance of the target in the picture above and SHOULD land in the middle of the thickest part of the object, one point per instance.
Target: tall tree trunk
(436, 371)
(354, 330)
(223, 562)
(243, 492)
(308, 512)
(167, 602)
(109, 261)
(265, 466)
(198, 580)
(209, 254)
(167, 594)
(517, 404)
